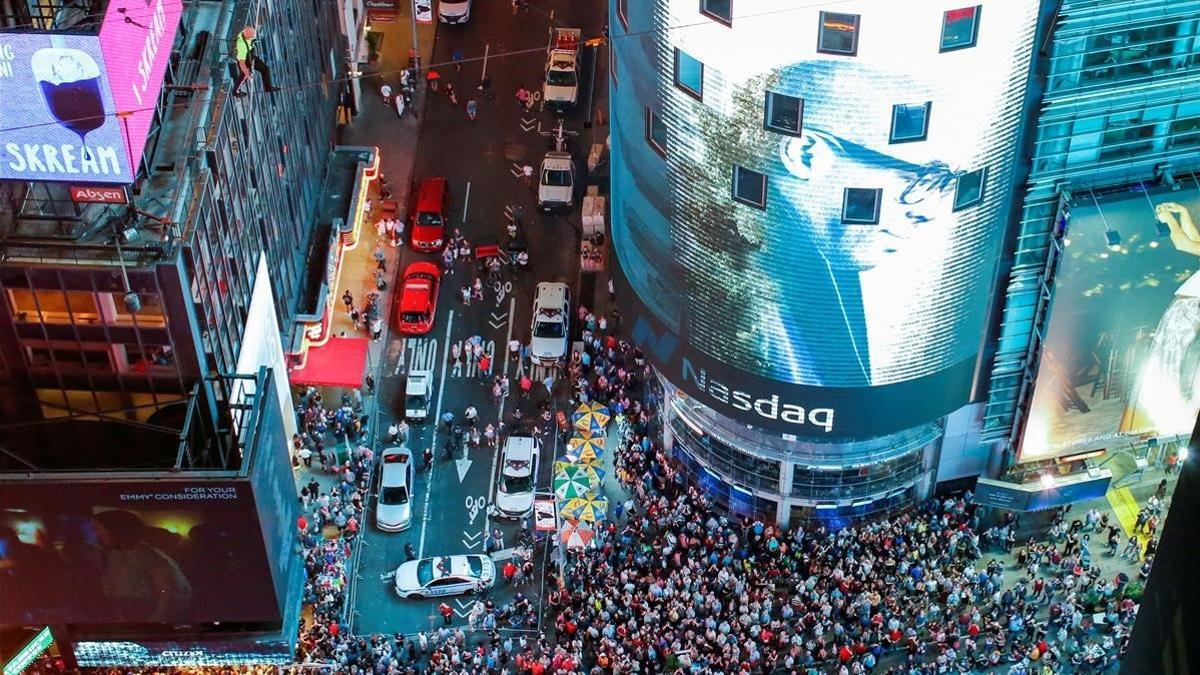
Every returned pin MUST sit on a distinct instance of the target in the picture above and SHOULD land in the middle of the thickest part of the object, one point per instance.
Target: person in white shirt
(386, 92)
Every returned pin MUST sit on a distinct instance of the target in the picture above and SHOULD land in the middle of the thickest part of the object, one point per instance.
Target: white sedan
(445, 575)
(393, 510)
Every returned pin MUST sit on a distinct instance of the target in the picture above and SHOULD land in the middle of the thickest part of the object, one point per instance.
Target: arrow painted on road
(517, 170)
(528, 124)
(471, 541)
(463, 466)
(498, 320)
(465, 605)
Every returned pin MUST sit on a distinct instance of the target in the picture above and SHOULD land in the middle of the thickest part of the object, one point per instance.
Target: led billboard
(57, 116)
(79, 107)
(116, 555)
(798, 230)
(1121, 359)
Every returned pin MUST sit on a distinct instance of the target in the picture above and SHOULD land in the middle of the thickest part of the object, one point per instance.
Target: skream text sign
(88, 194)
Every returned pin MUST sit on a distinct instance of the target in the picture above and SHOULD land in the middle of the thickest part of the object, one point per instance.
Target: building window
(689, 74)
(1185, 132)
(839, 34)
(784, 113)
(68, 358)
(750, 187)
(721, 10)
(910, 122)
(860, 206)
(656, 132)
(53, 306)
(968, 189)
(960, 28)
(623, 13)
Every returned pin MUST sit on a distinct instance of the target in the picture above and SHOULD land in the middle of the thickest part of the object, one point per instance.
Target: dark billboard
(1121, 360)
(811, 241)
(126, 555)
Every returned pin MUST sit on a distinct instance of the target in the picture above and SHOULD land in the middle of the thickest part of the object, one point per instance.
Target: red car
(429, 215)
(416, 302)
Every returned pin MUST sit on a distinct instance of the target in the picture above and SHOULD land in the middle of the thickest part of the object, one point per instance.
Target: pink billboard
(136, 39)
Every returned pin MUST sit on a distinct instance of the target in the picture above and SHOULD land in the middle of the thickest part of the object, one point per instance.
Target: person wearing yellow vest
(248, 59)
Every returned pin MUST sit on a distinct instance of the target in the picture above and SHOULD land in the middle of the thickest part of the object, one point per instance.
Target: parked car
(556, 181)
(444, 575)
(393, 508)
(418, 393)
(518, 476)
(429, 215)
(416, 303)
(551, 322)
(454, 11)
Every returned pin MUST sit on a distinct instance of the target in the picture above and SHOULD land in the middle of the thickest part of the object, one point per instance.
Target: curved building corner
(807, 235)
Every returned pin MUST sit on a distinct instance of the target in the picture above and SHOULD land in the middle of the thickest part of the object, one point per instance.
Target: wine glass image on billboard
(1122, 355)
(70, 84)
(1168, 386)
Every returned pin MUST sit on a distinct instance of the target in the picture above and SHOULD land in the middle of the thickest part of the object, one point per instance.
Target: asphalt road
(481, 160)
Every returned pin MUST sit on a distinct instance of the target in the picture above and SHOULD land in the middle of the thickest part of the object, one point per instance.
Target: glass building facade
(807, 236)
(1119, 90)
(222, 180)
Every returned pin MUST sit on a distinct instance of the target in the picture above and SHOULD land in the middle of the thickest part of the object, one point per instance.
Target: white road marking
(474, 506)
(466, 200)
(400, 357)
(487, 521)
(437, 420)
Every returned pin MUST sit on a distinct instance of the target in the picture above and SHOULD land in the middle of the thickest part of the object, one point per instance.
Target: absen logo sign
(88, 194)
(79, 107)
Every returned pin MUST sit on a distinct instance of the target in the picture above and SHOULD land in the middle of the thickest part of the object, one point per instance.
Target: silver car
(393, 509)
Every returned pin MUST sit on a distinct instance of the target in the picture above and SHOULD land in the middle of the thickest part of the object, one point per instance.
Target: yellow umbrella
(590, 417)
(591, 446)
(589, 508)
(593, 474)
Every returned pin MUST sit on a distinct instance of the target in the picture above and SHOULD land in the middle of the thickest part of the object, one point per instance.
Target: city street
(482, 162)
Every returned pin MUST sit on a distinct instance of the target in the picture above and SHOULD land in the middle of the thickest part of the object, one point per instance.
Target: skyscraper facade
(809, 210)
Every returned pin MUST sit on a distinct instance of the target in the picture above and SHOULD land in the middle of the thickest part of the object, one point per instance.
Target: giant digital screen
(1121, 360)
(57, 117)
(808, 240)
(107, 555)
(79, 107)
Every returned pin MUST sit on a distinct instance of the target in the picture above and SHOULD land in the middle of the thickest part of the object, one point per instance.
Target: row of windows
(838, 32)
(860, 205)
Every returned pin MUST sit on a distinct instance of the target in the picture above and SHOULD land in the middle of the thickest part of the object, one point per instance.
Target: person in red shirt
(509, 571)
(447, 613)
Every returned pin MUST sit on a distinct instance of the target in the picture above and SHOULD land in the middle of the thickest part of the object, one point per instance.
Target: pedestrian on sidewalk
(448, 260)
(527, 175)
(489, 435)
(456, 58)
(393, 433)
(370, 383)
(431, 79)
(472, 109)
(485, 366)
(380, 259)
(477, 290)
(376, 329)
(348, 301)
(354, 317)
(524, 99)
(447, 614)
(396, 231)
(386, 92)
(514, 349)
(465, 294)
(450, 94)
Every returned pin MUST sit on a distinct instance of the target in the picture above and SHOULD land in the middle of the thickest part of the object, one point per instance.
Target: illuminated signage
(821, 235)
(57, 120)
(1121, 361)
(40, 643)
(79, 107)
(214, 651)
(136, 39)
(98, 194)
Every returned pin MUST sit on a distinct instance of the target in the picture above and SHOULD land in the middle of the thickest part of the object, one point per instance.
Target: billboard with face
(103, 555)
(1121, 360)
(859, 283)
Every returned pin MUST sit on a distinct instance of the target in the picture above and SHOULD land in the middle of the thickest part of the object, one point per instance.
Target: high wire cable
(474, 59)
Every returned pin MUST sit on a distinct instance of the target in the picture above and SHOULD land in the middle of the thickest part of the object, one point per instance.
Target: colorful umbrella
(585, 446)
(575, 534)
(590, 416)
(573, 481)
(589, 508)
(593, 467)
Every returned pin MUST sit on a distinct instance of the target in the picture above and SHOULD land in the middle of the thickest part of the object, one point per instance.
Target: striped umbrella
(589, 508)
(593, 467)
(573, 481)
(576, 534)
(590, 416)
(585, 446)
